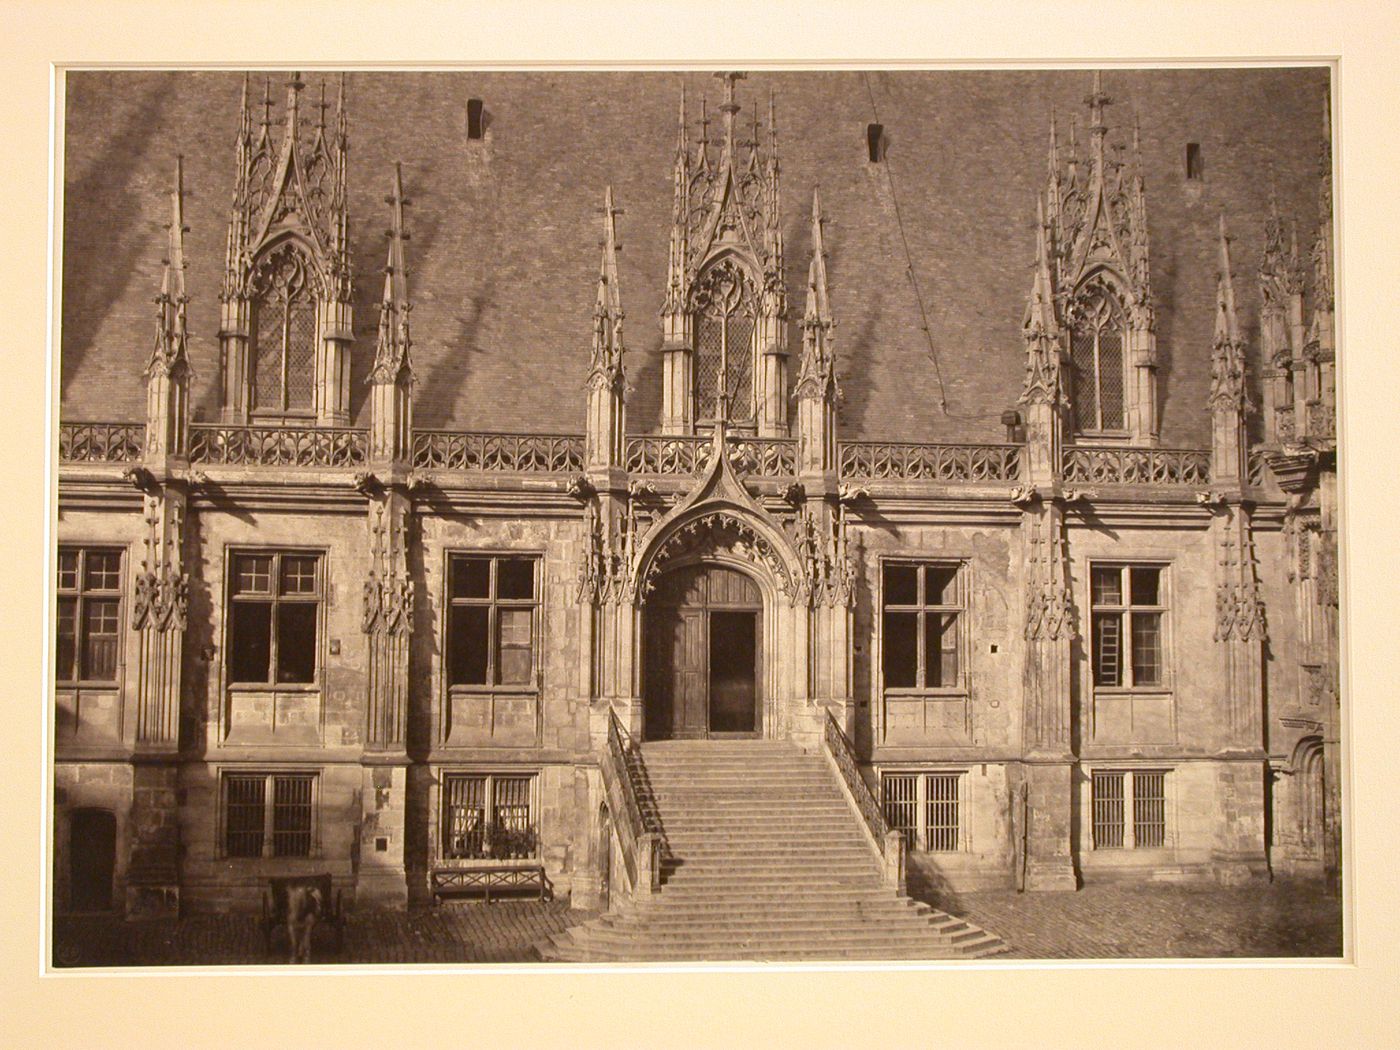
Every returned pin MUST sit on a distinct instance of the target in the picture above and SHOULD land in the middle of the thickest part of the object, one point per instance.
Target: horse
(300, 901)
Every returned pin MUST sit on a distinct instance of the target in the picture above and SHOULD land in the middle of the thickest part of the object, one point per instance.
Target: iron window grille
(493, 604)
(274, 608)
(926, 808)
(1097, 362)
(89, 616)
(270, 814)
(1128, 610)
(1129, 809)
(488, 816)
(924, 607)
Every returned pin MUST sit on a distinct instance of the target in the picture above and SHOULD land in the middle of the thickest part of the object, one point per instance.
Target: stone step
(748, 869)
(816, 940)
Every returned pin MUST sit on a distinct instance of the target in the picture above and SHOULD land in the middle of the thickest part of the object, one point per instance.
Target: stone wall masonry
(90, 785)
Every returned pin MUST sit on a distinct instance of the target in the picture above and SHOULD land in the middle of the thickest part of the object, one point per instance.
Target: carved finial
(607, 332)
(266, 121)
(170, 344)
(730, 106)
(392, 356)
(1227, 356)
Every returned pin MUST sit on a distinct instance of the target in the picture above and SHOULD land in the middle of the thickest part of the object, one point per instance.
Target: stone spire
(1228, 401)
(607, 378)
(1043, 394)
(1319, 391)
(167, 371)
(816, 381)
(391, 377)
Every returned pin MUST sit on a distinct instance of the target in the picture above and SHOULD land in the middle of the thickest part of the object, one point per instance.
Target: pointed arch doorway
(703, 636)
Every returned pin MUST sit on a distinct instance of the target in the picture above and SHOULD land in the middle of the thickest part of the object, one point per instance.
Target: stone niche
(279, 717)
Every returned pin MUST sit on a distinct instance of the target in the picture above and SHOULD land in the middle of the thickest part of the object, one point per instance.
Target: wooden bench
(274, 907)
(485, 881)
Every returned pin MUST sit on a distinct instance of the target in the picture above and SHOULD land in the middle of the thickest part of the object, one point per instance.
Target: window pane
(1083, 394)
(901, 585)
(512, 836)
(1149, 810)
(739, 368)
(1108, 810)
(1145, 583)
(468, 640)
(516, 627)
(515, 578)
(291, 816)
(296, 642)
(243, 819)
(1107, 586)
(66, 660)
(100, 640)
(269, 314)
(1111, 376)
(1108, 649)
(901, 800)
(1147, 648)
(901, 649)
(471, 577)
(301, 354)
(252, 574)
(707, 350)
(463, 817)
(103, 571)
(942, 812)
(298, 574)
(940, 585)
(941, 649)
(68, 570)
(250, 642)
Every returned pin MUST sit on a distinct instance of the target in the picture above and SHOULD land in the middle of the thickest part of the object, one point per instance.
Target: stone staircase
(765, 860)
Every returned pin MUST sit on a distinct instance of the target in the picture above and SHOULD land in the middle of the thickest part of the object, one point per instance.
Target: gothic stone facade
(996, 453)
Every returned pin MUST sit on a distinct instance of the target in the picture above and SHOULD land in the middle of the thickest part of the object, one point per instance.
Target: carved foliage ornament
(161, 590)
(719, 530)
(1049, 602)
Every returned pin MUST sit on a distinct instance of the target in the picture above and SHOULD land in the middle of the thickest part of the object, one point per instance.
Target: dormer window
(1098, 334)
(284, 335)
(724, 345)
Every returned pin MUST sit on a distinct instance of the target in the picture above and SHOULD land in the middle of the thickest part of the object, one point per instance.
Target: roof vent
(476, 118)
(875, 141)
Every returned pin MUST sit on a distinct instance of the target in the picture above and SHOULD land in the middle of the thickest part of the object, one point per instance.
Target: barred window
(1128, 612)
(1097, 362)
(926, 808)
(269, 814)
(923, 625)
(1129, 809)
(89, 620)
(274, 603)
(284, 334)
(491, 621)
(488, 816)
(724, 345)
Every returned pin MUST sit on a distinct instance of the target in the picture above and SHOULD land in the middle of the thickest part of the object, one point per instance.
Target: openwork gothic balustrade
(763, 457)
(1136, 466)
(525, 453)
(101, 442)
(901, 461)
(679, 455)
(279, 446)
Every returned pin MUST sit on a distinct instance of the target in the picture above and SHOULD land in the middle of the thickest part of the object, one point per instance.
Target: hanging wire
(913, 278)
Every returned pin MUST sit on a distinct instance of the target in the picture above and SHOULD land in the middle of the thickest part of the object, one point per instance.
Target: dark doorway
(703, 654)
(92, 852)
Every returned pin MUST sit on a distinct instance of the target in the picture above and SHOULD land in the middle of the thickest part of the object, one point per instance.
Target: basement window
(1195, 164)
(875, 141)
(476, 124)
(926, 808)
(1129, 809)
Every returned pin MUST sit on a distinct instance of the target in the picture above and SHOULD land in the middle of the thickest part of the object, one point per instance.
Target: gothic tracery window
(724, 345)
(284, 334)
(1096, 357)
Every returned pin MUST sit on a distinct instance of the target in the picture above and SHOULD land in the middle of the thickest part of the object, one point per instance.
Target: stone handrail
(906, 461)
(276, 445)
(678, 455)
(486, 451)
(1115, 465)
(890, 843)
(641, 846)
(101, 442)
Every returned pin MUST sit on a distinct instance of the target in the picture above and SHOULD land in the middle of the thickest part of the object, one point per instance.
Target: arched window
(1096, 358)
(284, 334)
(724, 344)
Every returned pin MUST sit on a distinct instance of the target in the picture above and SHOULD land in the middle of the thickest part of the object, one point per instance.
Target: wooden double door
(703, 632)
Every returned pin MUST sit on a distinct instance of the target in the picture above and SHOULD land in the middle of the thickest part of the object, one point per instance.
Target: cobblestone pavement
(1159, 922)
(504, 931)
(1278, 920)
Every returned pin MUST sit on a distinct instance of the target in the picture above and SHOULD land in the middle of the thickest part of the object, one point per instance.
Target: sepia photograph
(672, 516)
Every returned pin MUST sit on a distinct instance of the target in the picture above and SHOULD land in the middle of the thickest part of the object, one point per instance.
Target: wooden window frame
(81, 594)
(1133, 820)
(921, 836)
(959, 609)
(489, 779)
(493, 632)
(1125, 610)
(268, 834)
(276, 599)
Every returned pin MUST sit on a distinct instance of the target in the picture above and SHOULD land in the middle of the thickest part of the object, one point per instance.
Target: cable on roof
(913, 278)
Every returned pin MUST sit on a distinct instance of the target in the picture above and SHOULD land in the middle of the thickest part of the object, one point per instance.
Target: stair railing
(641, 846)
(888, 842)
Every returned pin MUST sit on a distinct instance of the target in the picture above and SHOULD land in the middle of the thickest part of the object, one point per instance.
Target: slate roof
(505, 232)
